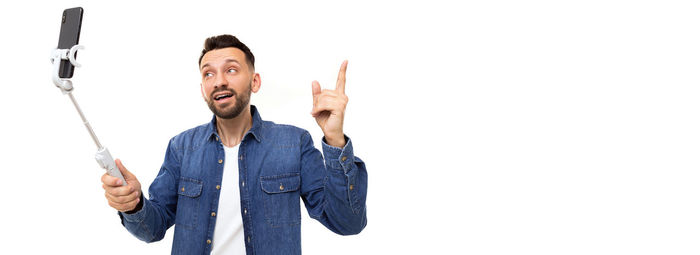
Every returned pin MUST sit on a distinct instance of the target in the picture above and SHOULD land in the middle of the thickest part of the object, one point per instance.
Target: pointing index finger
(340, 84)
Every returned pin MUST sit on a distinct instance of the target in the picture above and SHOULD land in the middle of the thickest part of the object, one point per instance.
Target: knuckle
(116, 193)
(122, 191)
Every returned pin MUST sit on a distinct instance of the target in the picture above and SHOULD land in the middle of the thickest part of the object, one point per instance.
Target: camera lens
(64, 19)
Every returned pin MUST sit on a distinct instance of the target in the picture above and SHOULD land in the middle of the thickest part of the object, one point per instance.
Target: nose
(220, 81)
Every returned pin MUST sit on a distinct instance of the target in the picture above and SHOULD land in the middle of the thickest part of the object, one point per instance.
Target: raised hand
(329, 108)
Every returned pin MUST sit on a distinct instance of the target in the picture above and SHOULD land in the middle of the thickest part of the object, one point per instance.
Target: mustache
(233, 92)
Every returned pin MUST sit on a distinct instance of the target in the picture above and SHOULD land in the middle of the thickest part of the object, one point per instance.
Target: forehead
(219, 56)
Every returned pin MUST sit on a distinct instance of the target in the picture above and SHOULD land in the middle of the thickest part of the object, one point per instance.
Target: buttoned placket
(243, 172)
(220, 166)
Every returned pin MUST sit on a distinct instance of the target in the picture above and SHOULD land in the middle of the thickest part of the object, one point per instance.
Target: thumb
(127, 175)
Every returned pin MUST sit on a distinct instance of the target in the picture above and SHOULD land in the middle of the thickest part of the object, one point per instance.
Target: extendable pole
(87, 124)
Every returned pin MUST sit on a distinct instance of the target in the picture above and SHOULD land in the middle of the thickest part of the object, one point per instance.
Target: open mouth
(222, 96)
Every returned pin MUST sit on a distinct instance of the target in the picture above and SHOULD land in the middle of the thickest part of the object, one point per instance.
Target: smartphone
(70, 33)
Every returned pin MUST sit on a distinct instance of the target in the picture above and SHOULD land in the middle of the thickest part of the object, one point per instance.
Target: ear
(256, 83)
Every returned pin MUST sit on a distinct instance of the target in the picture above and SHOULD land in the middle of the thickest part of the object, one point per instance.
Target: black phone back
(70, 33)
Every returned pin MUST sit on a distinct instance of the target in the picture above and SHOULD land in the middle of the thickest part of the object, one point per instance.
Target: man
(232, 186)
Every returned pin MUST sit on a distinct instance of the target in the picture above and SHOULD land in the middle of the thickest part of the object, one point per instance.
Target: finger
(324, 97)
(121, 190)
(124, 207)
(319, 108)
(317, 112)
(111, 180)
(315, 90)
(132, 205)
(128, 198)
(325, 104)
(123, 199)
(340, 84)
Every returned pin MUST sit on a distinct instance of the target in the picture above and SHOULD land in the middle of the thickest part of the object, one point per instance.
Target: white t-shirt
(228, 232)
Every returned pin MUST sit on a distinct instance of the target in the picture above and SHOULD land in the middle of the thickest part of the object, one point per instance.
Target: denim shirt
(278, 164)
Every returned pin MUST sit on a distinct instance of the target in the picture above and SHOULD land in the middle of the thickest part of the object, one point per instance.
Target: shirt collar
(255, 130)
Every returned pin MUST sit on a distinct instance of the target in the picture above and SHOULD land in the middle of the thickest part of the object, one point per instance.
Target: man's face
(227, 81)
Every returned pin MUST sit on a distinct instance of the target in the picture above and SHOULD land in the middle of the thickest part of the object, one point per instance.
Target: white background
(488, 127)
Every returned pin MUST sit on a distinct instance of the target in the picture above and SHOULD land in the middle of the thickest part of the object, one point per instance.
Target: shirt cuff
(339, 158)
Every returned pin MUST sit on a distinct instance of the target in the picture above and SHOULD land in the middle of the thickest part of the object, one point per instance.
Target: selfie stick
(66, 85)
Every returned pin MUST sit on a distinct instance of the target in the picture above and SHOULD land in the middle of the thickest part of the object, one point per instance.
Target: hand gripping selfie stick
(66, 85)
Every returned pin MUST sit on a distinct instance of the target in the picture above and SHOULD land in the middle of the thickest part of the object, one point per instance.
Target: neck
(231, 131)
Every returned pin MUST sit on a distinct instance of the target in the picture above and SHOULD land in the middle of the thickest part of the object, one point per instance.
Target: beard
(226, 111)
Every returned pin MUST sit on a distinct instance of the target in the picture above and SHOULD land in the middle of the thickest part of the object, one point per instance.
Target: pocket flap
(189, 187)
(280, 183)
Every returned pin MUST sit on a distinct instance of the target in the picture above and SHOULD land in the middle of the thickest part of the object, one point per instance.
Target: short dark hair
(226, 41)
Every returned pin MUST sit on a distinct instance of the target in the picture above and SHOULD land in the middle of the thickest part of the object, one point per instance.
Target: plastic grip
(104, 158)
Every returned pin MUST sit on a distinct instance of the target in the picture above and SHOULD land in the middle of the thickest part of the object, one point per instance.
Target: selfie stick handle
(103, 157)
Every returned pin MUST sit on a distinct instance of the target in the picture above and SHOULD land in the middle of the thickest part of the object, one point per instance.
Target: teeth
(221, 96)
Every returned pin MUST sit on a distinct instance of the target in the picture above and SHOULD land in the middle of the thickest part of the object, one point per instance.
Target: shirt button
(208, 241)
(281, 186)
(221, 161)
(245, 211)
(213, 214)
(183, 189)
(243, 184)
(249, 239)
(218, 186)
(343, 158)
(351, 186)
(217, 138)
(240, 157)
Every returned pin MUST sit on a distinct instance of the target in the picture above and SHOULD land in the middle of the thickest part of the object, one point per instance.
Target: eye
(231, 70)
(208, 75)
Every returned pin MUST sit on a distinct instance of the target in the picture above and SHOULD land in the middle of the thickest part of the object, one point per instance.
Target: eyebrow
(228, 60)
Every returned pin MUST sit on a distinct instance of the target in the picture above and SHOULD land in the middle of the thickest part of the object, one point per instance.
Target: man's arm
(149, 219)
(334, 191)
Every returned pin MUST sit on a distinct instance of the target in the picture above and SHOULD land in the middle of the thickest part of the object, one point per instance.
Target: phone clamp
(103, 157)
(65, 84)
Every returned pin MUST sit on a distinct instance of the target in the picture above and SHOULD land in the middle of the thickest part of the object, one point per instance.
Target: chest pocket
(281, 199)
(189, 191)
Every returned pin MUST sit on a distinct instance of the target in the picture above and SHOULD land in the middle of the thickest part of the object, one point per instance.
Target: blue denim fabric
(278, 164)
